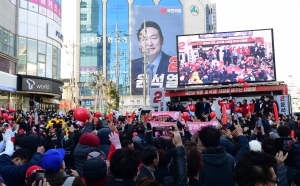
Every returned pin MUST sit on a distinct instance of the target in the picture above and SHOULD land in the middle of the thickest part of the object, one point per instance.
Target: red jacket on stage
(190, 107)
(245, 109)
(227, 105)
(238, 109)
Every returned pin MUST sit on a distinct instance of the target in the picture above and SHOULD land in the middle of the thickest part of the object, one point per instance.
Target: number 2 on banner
(157, 97)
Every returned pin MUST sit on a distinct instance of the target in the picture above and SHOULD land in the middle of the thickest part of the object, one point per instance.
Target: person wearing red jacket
(238, 110)
(227, 105)
(252, 105)
(245, 107)
(191, 107)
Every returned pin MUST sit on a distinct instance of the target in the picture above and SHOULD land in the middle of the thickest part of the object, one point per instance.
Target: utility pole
(117, 57)
(144, 87)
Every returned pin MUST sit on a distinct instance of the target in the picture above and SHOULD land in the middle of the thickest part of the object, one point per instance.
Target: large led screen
(225, 58)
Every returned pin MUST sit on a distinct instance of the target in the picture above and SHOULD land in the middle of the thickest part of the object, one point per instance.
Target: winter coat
(216, 162)
(281, 175)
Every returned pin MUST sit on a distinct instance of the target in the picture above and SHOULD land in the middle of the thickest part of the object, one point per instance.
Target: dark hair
(125, 135)
(268, 146)
(163, 158)
(254, 167)
(141, 129)
(125, 143)
(124, 163)
(150, 24)
(148, 155)
(23, 154)
(194, 162)
(179, 125)
(297, 135)
(147, 181)
(209, 136)
(284, 131)
(31, 179)
(160, 143)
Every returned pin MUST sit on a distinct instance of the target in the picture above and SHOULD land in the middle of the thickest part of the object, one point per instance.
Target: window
(5, 37)
(49, 61)
(82, 27)
(41, 69)
(143, 2)
(169, 2)
(32, 51)
(83, 4)
(58, 63)
(83, 17)
(42, 48)
(22, 55)
(31, 69)
(54, 63)
(41, 58)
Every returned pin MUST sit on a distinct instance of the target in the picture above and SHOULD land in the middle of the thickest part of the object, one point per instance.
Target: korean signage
(207, 17)
(162, 60)
(230, 41)
(156, 96)
(54, 33)
(283, 104)
(214, 17)
(235, 90)
(50, 8)
(87, 102)
(97, 39)
(40, 85)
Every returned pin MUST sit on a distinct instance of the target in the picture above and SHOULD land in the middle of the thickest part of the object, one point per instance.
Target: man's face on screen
(153, 42)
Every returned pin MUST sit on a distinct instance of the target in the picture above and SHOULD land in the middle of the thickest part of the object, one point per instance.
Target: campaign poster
(163, 23)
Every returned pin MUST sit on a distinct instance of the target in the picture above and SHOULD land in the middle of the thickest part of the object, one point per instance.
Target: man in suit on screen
(157, 62)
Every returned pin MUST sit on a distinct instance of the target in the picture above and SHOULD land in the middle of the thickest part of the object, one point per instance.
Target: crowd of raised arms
(253, 147)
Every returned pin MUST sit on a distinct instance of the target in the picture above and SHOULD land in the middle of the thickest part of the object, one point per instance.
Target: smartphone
(39, 175)
(121, 118)
(231, 128)
(259, 123)
(68, 171)
(234, 121)
(163, 132)
(284, 144)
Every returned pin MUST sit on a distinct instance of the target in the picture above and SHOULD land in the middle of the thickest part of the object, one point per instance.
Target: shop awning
(50, 100)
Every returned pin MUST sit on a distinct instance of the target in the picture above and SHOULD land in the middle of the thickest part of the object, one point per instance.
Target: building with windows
(108, 37)
(38, 52)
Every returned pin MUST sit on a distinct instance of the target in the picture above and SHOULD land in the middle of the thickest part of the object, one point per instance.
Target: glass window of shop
(54, 62)
(58, 63)
(169, 2)
(31, 57)
(143, 2)
(91, 48)
(7, 42)
(41, 59)
(22, 55)
(4, 99)
(117, 10)
(49, 61)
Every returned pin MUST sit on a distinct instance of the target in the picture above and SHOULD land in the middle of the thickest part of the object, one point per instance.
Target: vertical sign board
(214, 17)
(283, 104)
(157, 95)
(207, 17)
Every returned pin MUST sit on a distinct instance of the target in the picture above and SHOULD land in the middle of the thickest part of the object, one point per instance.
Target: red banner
(168, 114)
(235, 90)
(229, 41)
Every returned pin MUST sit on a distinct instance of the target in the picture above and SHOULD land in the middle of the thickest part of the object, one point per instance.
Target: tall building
(110, 34)
(30, 53)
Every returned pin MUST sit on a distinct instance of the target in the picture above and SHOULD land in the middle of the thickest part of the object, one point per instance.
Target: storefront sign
(39, 85)
(214, 17)
(235, 90)
(54, 33)
(87, 102)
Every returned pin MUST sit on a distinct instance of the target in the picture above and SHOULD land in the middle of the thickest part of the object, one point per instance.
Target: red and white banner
(235, 90)
(156, 96)
(193, 126)
(167, 114)
(230, 41)
(283, 104)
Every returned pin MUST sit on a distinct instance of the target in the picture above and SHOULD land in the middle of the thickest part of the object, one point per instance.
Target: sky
(232, 15)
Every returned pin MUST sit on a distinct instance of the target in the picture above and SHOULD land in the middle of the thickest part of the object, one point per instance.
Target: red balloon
(240, 80)
(186, 116)
(11, 110)
(4, 115)
(72, 110)
(246, 84)
(81, 114)
(107, 116)
(10, 118)
(97, 114)
(212, 115)
(7, 111)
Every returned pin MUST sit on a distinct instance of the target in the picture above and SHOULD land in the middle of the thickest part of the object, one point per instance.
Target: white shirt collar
(157, 60)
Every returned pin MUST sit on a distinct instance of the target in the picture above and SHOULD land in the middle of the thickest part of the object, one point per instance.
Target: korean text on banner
(162, 23)
(157, 95)
(283, 104)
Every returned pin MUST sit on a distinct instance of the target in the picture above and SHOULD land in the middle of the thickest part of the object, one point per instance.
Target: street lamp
(80, 86)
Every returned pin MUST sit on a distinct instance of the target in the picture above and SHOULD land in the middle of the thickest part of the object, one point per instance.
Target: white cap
(255, 145)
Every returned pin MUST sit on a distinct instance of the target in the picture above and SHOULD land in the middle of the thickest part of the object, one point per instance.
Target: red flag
(275, 112)
(224, 119)
(30, 120)
(132, 115)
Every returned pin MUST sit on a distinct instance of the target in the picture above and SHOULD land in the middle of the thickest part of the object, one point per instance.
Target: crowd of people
(225, 64)
(106, 151)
